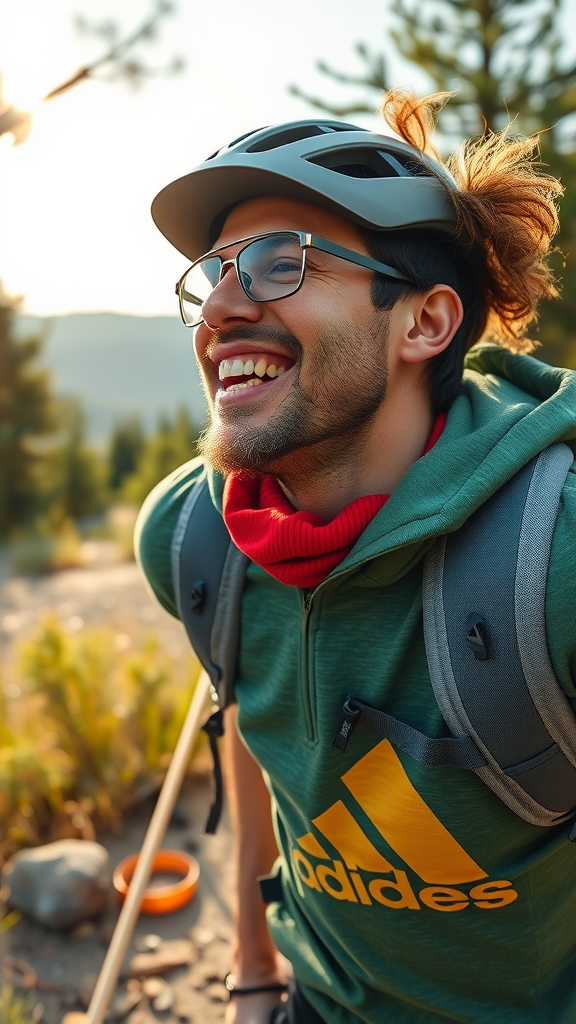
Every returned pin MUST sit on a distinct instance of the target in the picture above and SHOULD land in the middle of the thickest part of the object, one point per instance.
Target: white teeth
(225, 369)
(244, 384)
(239, 368)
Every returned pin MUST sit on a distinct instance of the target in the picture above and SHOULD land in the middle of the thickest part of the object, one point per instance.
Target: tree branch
(117, 51)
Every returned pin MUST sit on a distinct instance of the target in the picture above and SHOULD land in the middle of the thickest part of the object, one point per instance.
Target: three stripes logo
(410, 829)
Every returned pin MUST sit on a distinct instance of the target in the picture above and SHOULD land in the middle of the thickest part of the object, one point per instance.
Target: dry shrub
(90, 734)
(18, 1007)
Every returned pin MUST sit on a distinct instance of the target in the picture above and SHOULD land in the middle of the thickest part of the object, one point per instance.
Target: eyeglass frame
(307, 241)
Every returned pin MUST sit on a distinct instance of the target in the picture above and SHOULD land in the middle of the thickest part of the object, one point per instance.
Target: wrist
(250, 975)
(255, 963)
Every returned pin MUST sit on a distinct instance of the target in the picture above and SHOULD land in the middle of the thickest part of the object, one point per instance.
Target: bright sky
(75, 227)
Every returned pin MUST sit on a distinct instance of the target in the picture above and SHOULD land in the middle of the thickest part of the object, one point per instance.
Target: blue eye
(285, 267)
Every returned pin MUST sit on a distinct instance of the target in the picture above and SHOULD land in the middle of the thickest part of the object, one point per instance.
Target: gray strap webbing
(456, 752)
(208, 573)
(541, 508)
(179, 533)
(511, 704)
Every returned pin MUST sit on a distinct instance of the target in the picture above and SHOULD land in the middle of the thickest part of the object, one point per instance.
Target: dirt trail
(104, 591)
(62, 960)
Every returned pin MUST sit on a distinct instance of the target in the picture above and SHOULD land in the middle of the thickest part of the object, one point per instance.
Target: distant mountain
(118, 364)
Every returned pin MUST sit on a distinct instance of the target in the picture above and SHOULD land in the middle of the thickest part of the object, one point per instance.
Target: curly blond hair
(506, 211)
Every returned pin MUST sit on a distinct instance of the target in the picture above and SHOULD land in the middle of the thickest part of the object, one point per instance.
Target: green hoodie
(411, 894)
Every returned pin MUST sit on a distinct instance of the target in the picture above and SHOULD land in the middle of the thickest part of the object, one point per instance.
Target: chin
(227, 452)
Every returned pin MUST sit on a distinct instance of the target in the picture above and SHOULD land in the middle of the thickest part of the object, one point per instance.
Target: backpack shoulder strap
(484, 626)
(208, 574)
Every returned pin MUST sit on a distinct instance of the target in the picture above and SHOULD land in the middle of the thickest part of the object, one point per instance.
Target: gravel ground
(66, 963)
(103, 591)
(108, 592)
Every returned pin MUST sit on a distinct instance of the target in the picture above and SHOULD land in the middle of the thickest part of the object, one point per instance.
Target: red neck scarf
(296, 547)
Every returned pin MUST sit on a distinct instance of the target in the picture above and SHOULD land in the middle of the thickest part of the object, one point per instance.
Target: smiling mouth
(251, 371)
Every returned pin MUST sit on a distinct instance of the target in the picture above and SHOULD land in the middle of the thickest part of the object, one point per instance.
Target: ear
(433, 319)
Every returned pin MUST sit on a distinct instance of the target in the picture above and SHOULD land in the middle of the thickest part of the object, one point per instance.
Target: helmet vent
(293, 133)
(235, 142)
(362, 163)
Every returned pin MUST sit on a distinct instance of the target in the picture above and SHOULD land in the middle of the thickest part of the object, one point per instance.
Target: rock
(159, 992)
(147, 943)
(164, 1000)
(152, 987)
(60, 884)
(177, 953)
(202, 936)
(74, 1017)
(86, 989)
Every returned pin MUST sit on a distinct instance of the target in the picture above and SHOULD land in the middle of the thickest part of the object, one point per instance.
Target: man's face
(318, 356)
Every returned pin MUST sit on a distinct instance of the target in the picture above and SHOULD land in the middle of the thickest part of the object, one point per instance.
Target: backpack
(483, 597)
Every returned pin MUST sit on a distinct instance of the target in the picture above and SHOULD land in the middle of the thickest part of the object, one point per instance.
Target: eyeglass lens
(268, 268)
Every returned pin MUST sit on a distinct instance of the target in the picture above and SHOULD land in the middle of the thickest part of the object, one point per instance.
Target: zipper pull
(351, 712)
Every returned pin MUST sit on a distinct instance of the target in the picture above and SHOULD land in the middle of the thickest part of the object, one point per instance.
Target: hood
(510, 408)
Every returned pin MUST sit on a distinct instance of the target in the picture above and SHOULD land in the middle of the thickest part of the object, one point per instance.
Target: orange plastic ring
(165, 898)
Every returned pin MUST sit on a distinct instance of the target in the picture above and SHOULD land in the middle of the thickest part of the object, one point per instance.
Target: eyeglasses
(268, 267)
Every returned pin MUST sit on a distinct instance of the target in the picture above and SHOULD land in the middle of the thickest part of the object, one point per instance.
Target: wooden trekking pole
(158, 823)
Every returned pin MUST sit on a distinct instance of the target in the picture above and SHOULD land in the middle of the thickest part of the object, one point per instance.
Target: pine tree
(26, 416)
(173, 444)
(78, 474)
(504, 61)
(502, 58)
(126, 444)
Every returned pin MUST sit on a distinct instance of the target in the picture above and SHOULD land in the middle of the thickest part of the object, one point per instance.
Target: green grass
(17, 1007)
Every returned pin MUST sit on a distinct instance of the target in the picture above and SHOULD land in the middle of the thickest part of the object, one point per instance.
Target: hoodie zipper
(306, 682)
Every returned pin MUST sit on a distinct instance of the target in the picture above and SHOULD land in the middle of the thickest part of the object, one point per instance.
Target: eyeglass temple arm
(356, 257)
(183, 294)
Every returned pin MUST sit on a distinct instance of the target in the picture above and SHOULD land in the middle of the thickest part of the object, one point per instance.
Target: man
(346, 276)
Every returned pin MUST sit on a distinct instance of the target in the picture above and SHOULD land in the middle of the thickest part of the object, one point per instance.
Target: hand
(254, 1009)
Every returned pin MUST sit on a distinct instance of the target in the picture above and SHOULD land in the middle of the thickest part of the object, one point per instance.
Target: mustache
(256, 332)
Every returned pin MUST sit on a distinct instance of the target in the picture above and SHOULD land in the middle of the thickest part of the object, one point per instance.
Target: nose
(228, 302)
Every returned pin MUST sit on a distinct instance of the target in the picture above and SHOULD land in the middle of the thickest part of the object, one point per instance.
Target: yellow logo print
(409, 828)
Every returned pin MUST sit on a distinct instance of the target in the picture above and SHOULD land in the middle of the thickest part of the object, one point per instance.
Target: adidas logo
(410, 829)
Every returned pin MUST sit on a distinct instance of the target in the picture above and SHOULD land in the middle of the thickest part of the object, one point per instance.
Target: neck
(325, 481)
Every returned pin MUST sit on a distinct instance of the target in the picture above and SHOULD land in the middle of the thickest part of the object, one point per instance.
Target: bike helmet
(377, 181)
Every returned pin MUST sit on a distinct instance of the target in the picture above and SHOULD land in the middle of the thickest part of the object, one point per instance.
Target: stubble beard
(321, 421)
